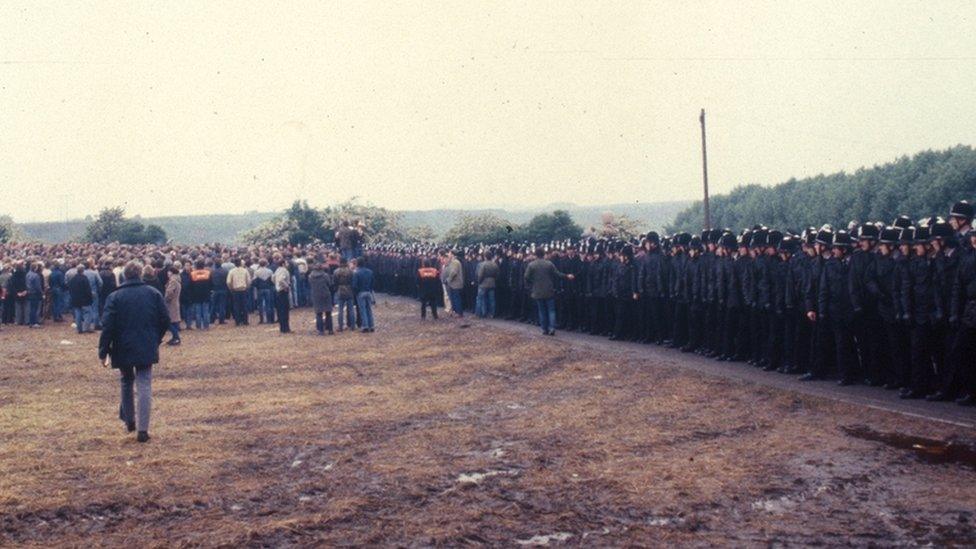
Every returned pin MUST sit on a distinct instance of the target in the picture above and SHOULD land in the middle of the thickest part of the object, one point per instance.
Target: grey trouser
(20, 311)
(141, 378)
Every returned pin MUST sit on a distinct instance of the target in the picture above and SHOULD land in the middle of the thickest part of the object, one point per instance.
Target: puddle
(926, 449)
(544, 540)
(476, 478)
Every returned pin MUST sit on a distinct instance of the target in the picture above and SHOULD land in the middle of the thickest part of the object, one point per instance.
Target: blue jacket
(35, 285)
(56, 280)
(362, 280)
(133, 325)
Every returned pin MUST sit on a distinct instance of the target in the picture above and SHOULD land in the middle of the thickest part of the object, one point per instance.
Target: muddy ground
(436, 434)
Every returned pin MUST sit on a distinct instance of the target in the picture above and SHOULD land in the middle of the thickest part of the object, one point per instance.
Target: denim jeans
(456, 304)
(547, 314)
(239, 307)
(345, 312)
(57, 303)
(365, 300)
(485, 304)
(218, 305)
(201, 315)
(96, 317)
(139, 378)
(81, 318)
(34, 310)
(266, 305)
(174, 328)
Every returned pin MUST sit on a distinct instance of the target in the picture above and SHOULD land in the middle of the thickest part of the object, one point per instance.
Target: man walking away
(282, 286)
(133, 325)
(540, 277)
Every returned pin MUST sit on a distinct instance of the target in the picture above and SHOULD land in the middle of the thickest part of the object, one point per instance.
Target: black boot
(142, 436)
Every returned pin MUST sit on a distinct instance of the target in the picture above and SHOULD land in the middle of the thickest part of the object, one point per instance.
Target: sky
(189, 107)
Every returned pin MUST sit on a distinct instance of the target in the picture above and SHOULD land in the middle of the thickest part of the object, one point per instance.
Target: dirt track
(426, 434)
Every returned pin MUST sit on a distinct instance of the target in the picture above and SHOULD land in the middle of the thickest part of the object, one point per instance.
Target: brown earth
(435, 434)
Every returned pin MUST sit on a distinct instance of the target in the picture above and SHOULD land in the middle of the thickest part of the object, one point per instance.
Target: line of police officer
(891, 306)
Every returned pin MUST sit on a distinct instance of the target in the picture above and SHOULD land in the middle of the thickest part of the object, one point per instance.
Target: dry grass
(364, 439)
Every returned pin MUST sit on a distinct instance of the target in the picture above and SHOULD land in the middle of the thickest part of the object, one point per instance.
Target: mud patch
(927, 450)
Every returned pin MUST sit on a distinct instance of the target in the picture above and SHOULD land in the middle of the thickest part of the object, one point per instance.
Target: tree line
(925, 184)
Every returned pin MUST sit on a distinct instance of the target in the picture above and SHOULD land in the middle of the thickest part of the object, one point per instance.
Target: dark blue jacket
(56, 280)
(362, 280)
(133, 325)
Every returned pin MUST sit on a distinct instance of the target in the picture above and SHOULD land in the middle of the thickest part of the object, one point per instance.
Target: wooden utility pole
(708, 213)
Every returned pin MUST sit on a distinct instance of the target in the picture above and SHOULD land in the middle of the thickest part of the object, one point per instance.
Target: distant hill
(197, 229)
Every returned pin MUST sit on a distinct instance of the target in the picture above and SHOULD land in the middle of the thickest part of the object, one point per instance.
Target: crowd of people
(884, 305)
(201, 285)
(892, 306)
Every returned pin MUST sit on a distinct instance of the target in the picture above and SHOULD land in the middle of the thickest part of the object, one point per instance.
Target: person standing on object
(282, 286)
(540, 278)
(133, 324)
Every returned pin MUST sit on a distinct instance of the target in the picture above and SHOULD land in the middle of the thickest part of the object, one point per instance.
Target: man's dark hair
(539, 252)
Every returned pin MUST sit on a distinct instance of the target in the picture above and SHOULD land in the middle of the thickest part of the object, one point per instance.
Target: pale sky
(196, 107)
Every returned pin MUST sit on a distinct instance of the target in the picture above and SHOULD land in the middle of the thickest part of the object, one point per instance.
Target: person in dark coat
(923, 311)
(429, 282)
(624, 290)
(835, 306)
(963, 320)
(80, 294)
(133, 326)
(108, 285)
(320, 287)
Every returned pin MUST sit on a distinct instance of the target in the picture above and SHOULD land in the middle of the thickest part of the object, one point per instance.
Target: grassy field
(439, 434)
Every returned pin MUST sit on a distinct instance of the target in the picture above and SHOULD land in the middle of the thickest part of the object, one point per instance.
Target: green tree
(9, 231)
(421, 233)
(111, 225)
(379, 224)
(478, 228)
(617, 226)
(558, 225)
(921, 185)
(308, 224)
